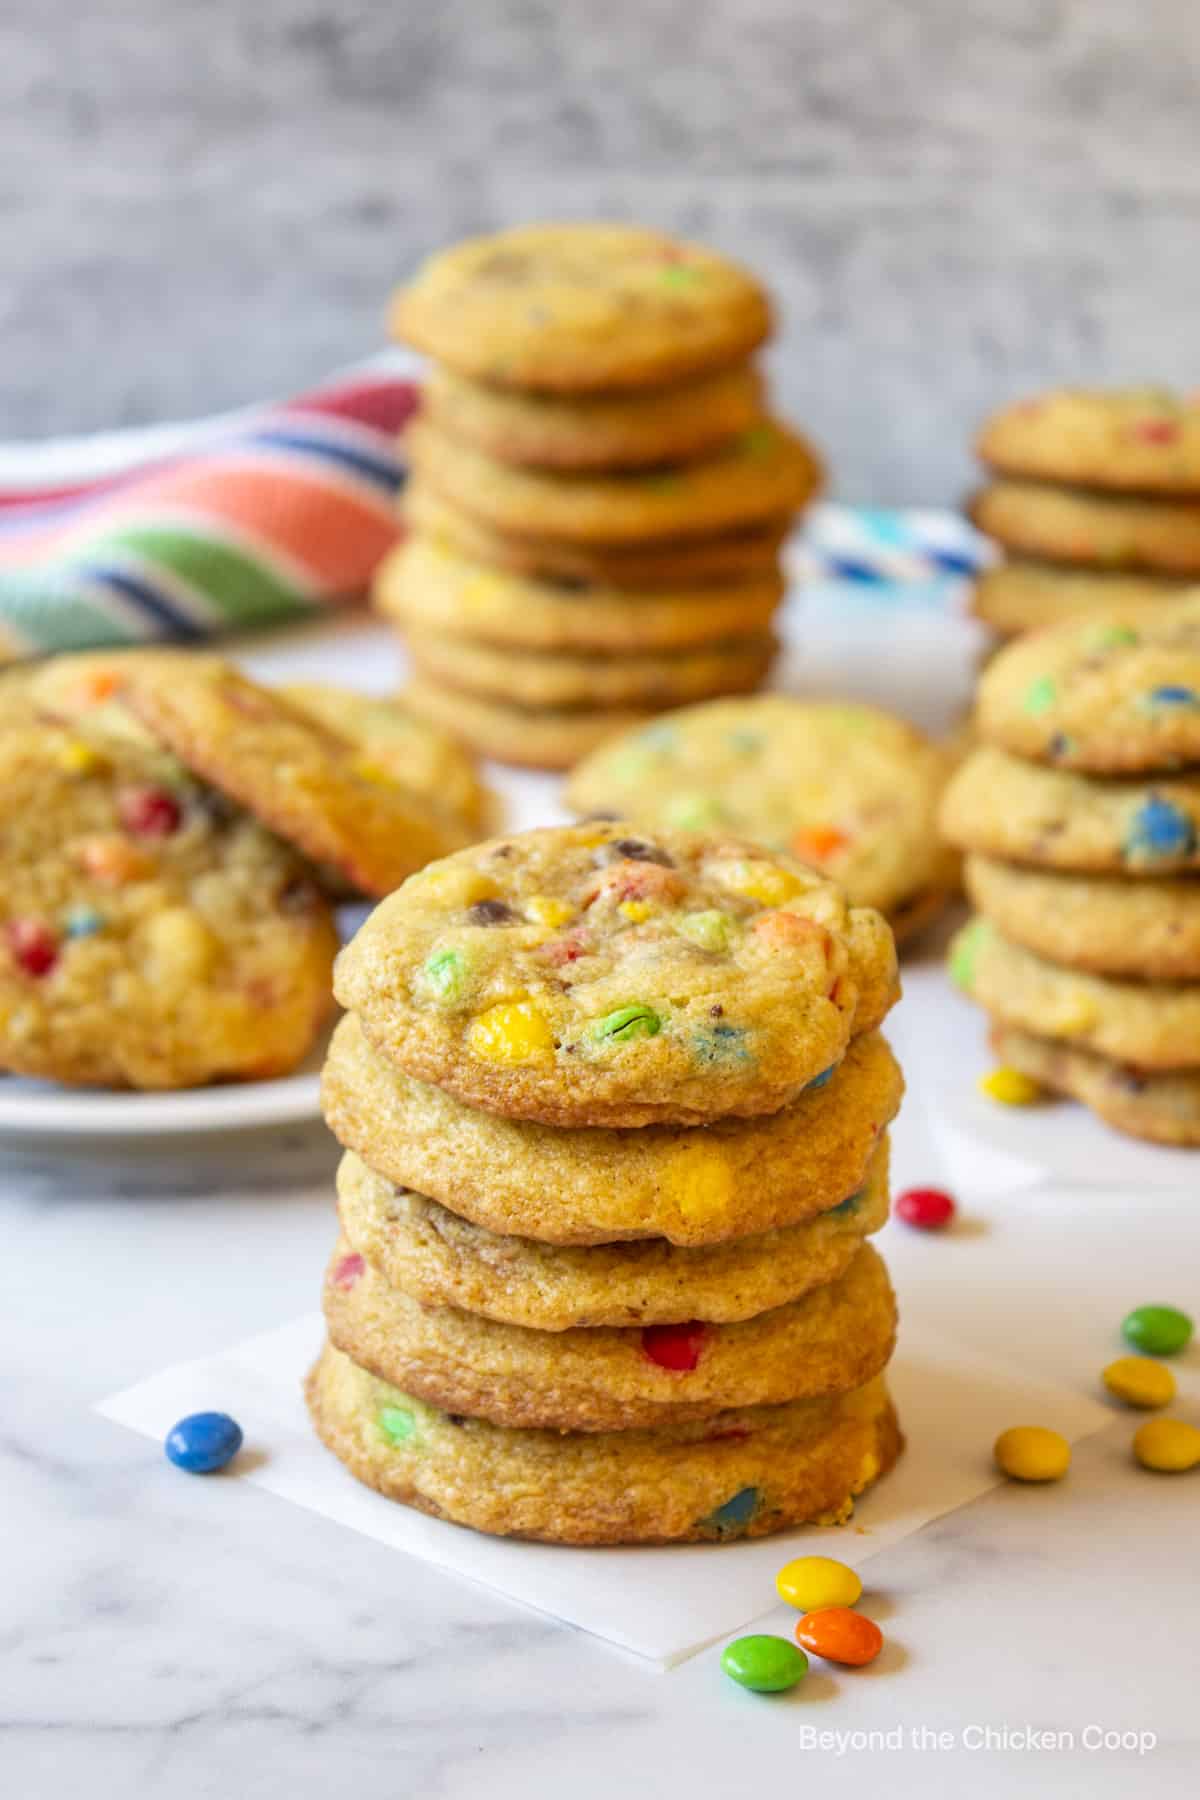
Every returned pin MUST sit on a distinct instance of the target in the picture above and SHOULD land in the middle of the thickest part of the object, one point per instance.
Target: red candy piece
(33, 946)
(1156, 431)
(840, 1635)
(674, 1346)
(929, 1209)
(347, 1270)
(149, 811)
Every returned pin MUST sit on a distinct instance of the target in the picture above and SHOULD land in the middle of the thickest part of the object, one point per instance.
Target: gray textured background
(204, 203)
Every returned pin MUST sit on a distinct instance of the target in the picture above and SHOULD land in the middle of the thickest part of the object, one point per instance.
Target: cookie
(314, 787)
(741, 1474)
(830, 1341)
(1007, 807)
(427, 585)
(764, 475)
(583, 975)
(577, 307)
(1164, 1108)
(151, 935)
(1140, 440)
(596, 431)
(733, 556)
(529, 738)
(440, 1259)
(557, 680)
(846, 788)
(407, 749)
(1107, 923)
(1116, 693)
(731, 1179)
(1155, 1025)
(1072, 525)
(1014, 597)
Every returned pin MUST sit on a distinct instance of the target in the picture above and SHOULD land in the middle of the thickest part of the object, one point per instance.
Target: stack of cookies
(614, 1111)
(1096, 503)
(1080, 810)
(598, 494)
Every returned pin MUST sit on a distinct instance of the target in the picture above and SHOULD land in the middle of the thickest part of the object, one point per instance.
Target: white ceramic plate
(42, 1110)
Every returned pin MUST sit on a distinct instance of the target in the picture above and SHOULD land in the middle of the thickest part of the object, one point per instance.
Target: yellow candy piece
(513, 1032)
(452, 885)
(812, 1582)
(762, 881)
(543, 909)
(1168, 1445)
(1031, 1453)
(1140, 1381)
(78, 758)
(699, 1181)
(635, 910)
(1010, 1087)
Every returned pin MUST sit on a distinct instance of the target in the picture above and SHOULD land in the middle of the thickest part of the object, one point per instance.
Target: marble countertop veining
(174, 1638)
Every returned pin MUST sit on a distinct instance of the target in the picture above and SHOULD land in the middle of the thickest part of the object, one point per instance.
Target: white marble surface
(174, 1637)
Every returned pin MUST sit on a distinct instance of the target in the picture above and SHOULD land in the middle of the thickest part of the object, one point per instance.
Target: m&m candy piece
(675, 1347)
(929, 1209)
(764, 1664)
(1032, 1453)
(32, 946)
(1168, 1445)
(1158, 1330)
(840, 1635)
(1139, 1381)
(203, 1442)
(149, 811)
(1010, 1087)
(812, 1583)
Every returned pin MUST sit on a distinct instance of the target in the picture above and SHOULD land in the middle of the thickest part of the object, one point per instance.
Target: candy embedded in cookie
(616, 1014)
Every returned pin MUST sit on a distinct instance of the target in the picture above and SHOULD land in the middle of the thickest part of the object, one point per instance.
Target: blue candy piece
(818, 1081)
(82, 922)
(723, 1044)
(735, 1513)
(1174, 696)
(203, 1442)
(1160, 829)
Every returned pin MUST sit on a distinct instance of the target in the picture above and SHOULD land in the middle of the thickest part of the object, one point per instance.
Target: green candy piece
(1113, 637)
(964, 953)
(692, 812)
(680, 275)
(446, 973)
(763, 1663)
(627, 1023)
(396, 1424)
(1157, 1330)
(1040, 695)
(710, 930)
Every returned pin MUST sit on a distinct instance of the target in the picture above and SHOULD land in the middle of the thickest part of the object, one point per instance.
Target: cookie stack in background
(598, 494)
(1096, 503)
(1080, 811)
(615, 1113)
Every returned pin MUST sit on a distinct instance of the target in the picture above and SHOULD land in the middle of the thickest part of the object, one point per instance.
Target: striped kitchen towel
(269, 514)
(246, 521)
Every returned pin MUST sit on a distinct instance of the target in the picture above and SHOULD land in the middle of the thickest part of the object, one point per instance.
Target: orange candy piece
(779, 928)
(817, 843)
(840, 1635)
